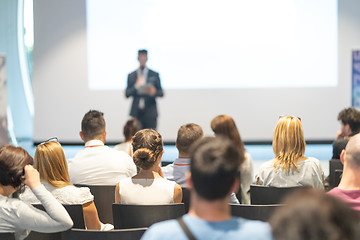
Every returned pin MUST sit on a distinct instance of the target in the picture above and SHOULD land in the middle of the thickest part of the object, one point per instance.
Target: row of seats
(131, 221)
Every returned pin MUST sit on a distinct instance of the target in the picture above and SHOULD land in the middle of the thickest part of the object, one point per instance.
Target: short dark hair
(131, 127)
(93, 124)
(312, 214)
(142, 51)
(12, 163)
(350, 116)
(214, 166)
(187, 135)
(147, 146)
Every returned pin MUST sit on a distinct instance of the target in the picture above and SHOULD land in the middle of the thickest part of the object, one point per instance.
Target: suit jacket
(150, 101)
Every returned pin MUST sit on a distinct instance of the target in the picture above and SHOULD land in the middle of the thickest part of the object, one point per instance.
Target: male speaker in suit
(144, 86)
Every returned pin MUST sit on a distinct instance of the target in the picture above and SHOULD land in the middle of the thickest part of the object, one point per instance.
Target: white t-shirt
(146, 191)
(125, 147)
(309, 173)
(65, 195)
(98, 164)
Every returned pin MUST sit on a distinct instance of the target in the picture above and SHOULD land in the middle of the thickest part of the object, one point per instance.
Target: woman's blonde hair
(51, 163)
(225, 125)
(288, 143)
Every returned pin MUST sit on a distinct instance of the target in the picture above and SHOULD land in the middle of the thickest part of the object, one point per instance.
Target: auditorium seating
(81, 234)
(104, 197)
(263, 195)
(186, 199)
(7, 236)
(138, 216)
(76, 214)
(253, 212)
(334, 164)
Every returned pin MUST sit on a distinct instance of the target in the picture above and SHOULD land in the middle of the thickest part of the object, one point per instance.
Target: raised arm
(55, 218)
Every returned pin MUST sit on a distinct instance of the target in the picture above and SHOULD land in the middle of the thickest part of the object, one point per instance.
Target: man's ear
(188, 180)
(236, 185)
(348, 129)
(342, 156)
(82, 136)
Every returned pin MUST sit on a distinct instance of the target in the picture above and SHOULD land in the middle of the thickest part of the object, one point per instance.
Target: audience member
(350, 125)
(149, 186)
(98, 164)
(17, 216)
(51, 163)
(214, 175)
(349, 187)
(187, 135)
(225, 125)
(311, 214)
(289, 167)
(130, 128)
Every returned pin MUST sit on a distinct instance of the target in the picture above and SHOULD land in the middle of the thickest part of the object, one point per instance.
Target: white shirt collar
(94, 142)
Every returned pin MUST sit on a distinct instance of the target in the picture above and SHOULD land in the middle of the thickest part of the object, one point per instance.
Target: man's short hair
(350, 116)
(93, 125)
(142, 51)
(187, 135)
(214, 167)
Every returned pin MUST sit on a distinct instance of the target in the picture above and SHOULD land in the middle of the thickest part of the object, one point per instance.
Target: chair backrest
(186, 199)
(263, 195)
(81, 234)
(334, 164)
(165, 163)
(338, 175)
(75, 211)
(7, 236)
(253, 212)
(104, 197)
(138, 216)
(76, 214)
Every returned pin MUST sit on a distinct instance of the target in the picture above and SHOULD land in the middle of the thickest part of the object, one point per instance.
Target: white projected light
(214, 44)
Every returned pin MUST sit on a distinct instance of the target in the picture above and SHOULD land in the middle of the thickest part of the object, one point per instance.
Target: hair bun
(142, 154)
(144, 158)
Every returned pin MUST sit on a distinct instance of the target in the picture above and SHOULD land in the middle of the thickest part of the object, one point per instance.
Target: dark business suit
(148, 115)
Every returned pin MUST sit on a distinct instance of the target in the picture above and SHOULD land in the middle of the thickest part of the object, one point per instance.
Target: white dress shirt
(98, 164)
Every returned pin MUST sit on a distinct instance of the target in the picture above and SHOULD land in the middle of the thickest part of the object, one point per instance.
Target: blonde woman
(17, 216)
(224, 125)
(290, 167)
(148, 186)
(51, 163)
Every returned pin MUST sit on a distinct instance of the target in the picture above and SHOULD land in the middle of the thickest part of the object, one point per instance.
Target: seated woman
(17, 216)
(130, 128)
(225, 125)
(51, 163)
(148, 186)
(290, 168)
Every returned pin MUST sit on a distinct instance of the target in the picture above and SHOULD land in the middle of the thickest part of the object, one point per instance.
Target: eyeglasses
(53, 139)
(290, 116)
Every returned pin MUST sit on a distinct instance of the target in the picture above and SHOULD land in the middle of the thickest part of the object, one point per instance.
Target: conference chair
(165, 163)
(254, 212)
(338, 174)
(334, 164)
(263, 195)
(81, 234)
(76, 214)
(104, 197)
(7, 236)
(186, 199)
(139, 216)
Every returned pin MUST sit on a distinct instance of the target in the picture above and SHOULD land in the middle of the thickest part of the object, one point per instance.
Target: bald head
(352, 151)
